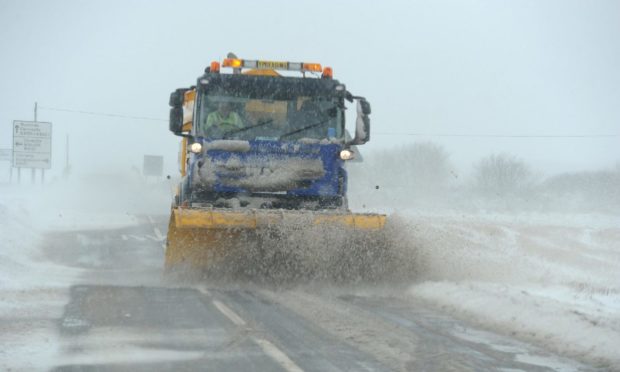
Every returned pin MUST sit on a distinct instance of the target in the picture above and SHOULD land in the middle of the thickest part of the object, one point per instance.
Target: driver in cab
(223, 120)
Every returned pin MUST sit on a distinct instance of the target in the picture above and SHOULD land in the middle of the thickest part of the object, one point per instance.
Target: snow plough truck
(262, 164)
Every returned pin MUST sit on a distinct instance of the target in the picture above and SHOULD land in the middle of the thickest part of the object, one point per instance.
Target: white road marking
(204, 291)
(138, 238)
(159, 237)
(158, 234)
(143, 238)
(278, 355)
(269, 348)
(229, 313)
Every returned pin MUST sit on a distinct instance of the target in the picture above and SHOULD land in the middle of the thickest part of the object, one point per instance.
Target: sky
(432, 70)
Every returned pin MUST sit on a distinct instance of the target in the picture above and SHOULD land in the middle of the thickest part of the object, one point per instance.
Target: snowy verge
(33, 290)
(96, 201)
(21, 266)
(28, 212)
(553, 281)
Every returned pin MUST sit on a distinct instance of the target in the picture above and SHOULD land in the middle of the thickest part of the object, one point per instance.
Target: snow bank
(552, 280)
(21, 263)
(98, 201)
(16, 241)
(33, 290)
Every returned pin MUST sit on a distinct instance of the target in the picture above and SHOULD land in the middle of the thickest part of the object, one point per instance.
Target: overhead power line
(411, 134)
(496, 135)
(100, 114)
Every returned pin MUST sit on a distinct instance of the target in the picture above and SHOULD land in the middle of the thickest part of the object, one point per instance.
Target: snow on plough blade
(276, 244)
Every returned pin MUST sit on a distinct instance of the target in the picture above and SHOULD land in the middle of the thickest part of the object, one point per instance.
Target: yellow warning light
(316, 67)
(232, 62)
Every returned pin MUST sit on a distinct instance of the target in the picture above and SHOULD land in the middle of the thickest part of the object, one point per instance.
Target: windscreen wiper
(246, 128)
(304, 128)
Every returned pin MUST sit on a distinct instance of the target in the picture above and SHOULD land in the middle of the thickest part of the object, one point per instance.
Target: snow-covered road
(82, 285)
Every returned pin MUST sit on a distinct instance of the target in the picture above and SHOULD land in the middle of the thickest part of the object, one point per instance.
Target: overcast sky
(427, 67)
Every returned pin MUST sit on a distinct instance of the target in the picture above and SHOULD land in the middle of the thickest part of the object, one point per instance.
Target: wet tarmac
(124, 314)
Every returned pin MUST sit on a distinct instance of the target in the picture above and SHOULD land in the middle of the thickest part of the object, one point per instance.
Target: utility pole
(66, 171)
(32, 170)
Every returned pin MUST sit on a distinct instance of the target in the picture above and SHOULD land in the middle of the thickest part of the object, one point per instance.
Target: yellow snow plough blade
(199, 237)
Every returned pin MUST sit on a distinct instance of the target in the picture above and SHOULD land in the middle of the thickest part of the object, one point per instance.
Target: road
(123, 314)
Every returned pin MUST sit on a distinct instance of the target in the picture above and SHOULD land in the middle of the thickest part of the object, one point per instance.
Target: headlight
(347, 154)
(196, 148)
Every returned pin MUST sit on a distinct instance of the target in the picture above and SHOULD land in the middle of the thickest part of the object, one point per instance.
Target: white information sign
(32, 144)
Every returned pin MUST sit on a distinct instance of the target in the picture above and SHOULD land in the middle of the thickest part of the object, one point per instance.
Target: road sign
(153, 165)
(32, 144)
(6, 154)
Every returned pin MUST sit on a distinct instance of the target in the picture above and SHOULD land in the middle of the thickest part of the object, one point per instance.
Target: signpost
(153, 165)
(32, 146)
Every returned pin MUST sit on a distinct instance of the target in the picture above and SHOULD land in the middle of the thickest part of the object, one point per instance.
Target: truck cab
(259, 139)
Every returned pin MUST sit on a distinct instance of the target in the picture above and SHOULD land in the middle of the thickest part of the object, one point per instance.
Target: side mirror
(176, 98)
(176, 120)
(362, 123)
(176, 112)
(365, 106)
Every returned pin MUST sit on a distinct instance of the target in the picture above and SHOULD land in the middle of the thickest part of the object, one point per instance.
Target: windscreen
(244, 114)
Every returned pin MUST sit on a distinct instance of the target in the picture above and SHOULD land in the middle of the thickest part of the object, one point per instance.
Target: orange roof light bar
(316, 67)
(215, 66)
(233, 62)
(271, 65)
